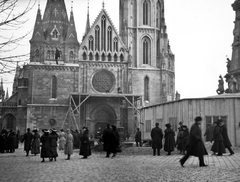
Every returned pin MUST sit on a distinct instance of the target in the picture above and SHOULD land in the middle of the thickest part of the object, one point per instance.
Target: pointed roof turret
(7, 96)
(1, 86)
(38, 34)
(55, 21)
(87, 28)
(88, 22)
(71, 33)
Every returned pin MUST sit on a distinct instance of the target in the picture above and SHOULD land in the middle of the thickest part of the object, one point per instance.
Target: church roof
(38, 34)
(71, 33)
(98, 22)
(55, 18)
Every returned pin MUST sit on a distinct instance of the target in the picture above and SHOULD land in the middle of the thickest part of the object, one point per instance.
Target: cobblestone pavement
(17, 167)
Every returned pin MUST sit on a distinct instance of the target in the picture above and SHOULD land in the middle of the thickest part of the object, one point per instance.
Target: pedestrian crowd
(189, 143)
(9, 141)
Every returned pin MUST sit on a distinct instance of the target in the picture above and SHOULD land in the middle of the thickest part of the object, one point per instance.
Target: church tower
(233, 66)
(54, 32)
(143, 30)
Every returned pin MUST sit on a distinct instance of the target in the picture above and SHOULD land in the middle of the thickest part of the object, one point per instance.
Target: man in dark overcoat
(27, 139)
(138, 138)
(107, 140)
(195, 146)
(157, 136)
(226, 140)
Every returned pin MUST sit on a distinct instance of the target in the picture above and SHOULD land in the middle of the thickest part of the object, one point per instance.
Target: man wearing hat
(27, 139)
(226, 140)
(195, 144)
(157, 136)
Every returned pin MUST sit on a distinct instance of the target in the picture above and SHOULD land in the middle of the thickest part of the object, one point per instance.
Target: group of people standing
(220, 138)
(189, 143)
(111, 141)
(8, 141)
(168, 135)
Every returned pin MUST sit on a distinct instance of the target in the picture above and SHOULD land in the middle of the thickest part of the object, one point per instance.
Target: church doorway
(102, 115)
(9, 122)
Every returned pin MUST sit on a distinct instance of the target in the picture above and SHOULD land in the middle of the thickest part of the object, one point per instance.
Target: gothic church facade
(104, 79)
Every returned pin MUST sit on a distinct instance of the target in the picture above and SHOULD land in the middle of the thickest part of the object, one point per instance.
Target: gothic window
(115, 58)
(158, 16)
(146, 12)
(103, 57)
(115, 44)
(109, 43)
(146, 50)
(90, 56)
(97, 57)
(158, 48)
(60, 54)
(52, 54)
(121, 58)
(146, 88)
(109, 57)
(48, 54)
(84, 56)
(19, 102)
(54, 87)
(55, 34)
(90, 43)
(37, 53)
(71, 55)
(97, 38)
(103, 33)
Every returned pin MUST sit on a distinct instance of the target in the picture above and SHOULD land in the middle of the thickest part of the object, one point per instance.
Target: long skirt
(218, 147)
(53, 152)
(68, 149)
(35, 147)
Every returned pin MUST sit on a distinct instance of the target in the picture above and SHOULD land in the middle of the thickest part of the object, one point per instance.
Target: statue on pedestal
(232, 85)
(220, 89)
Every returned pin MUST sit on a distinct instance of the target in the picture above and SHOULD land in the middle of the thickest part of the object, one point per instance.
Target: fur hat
(168, 125)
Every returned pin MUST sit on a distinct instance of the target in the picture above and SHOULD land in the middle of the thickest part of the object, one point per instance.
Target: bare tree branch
(12, 18)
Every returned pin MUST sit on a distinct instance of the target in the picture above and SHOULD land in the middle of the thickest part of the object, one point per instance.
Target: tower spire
(103, 4)
(87, 22)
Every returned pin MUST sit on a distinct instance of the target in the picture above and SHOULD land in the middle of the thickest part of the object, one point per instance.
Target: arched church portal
(9, 122)
(100, 116)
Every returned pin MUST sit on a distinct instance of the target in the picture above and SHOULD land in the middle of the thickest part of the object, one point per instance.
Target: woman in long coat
(62, 140)
(226, 140)
(35, 143)
(218, 145)
(45, 150)
(69, 144)
(195, 146)
(169, 139)
(53, 144)
(85, 150)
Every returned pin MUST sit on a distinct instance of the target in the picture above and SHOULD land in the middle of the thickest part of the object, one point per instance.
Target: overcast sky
(200, 34)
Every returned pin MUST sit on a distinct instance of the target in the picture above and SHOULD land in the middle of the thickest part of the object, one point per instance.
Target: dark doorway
(9, 122)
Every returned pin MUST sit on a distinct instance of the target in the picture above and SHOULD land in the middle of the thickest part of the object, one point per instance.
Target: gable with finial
(102, 37)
